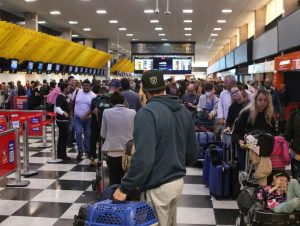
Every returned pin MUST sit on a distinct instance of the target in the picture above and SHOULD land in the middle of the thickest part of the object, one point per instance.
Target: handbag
(126, 158)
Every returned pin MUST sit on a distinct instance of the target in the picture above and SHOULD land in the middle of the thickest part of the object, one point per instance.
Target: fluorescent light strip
(187, 21)
(154, 21)
(101, 11)
(221, 21)
(41, 22)
(217, 29)
(75, 36)
(161, 34)
(73, 22)
(134, 39)
(188, 34)
(29, 0)
(122, 29)
(87, 29)
(55, 12)
(187, 11)
(226, 11)
(214, 35)
(129, 35)
(148, 11)
(158, 28)
(164, 39)
(187, 28)
(113, 21)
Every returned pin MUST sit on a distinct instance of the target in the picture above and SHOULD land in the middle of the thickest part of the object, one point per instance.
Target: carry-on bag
(203, 139)
(215, 150)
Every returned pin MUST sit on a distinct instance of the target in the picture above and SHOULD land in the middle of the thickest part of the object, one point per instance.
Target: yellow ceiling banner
(123, 65)
(25, 44)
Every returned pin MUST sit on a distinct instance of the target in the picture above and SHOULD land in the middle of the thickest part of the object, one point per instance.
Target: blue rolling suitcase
(218, 147)
(203, 139)
(220, 176)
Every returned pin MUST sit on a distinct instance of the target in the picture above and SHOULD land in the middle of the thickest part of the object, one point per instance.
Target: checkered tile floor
(55, 194)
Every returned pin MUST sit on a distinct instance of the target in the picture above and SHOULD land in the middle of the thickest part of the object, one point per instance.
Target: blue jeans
(85, 125)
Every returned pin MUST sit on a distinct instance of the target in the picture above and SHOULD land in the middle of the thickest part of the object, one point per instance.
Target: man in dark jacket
(164, 138)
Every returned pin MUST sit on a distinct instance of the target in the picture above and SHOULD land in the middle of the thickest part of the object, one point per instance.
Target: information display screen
(168, 65)
(143, 64)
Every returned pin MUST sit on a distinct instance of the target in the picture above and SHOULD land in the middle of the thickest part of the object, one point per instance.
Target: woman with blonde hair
(258, 116)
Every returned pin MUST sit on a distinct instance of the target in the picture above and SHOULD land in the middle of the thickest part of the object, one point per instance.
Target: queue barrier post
(44, 132)
(17, 182)
(53, 135)
(26, 171)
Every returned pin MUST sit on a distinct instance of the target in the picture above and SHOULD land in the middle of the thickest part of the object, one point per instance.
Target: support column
(103, 45)
(88, 42)
(260, 21)
(31, 21)
(226, 48)
(67, 34)
(243, 33)
(289, 6)
(233, 42)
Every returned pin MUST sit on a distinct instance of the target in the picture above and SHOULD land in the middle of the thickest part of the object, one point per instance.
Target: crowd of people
(160, 117)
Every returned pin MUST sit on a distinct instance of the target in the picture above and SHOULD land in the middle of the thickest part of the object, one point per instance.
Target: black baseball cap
(153, 81)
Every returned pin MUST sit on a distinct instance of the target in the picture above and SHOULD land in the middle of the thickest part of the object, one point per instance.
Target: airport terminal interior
(202, 48)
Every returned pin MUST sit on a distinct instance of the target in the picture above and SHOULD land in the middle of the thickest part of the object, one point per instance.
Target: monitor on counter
(40, 67)
(86, 71)
(13, 65)
(70, 70)
(64, 69)
(57, 68)
(81, 70)
(91, 71)
(2, 64)
(49, 68)
(76, 70)
(30, 65)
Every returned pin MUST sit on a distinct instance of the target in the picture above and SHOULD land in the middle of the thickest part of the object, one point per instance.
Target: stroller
(251, 212)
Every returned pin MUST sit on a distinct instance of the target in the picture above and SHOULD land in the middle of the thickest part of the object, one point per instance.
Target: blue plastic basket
(126, 213)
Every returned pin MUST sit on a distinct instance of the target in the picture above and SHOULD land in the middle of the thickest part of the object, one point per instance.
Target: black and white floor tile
(55, 194)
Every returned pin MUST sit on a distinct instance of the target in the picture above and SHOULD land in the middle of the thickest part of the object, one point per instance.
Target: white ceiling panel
(130, 14)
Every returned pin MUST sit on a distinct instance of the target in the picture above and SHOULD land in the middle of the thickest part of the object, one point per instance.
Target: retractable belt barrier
(10, 158)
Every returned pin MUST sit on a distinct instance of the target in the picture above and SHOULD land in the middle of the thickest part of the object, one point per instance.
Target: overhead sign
(165, 48)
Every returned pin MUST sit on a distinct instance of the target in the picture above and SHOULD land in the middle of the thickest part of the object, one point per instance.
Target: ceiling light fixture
(161, 34)
(187, 11)
(134, 39)
(154, 21)
(187, 21)
(187, 28)
(217, 29)
(29, 0)
(87, 29)
(41, 22)
(221, 21)
(158, 28)
(75, 36)
(214, 35)
(188, 34)
(101, 11)
(129, 35)
(226, 11)
(189, 39)
(148, 11)
(122, 29)
(73, 22)
(113, 21)
(55, 12)
(164, 39)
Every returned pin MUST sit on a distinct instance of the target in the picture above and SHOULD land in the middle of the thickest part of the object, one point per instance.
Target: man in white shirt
(82, 119)
(225, 99)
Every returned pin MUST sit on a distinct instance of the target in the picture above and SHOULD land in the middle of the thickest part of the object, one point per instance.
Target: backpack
(281, 147)
(103, 102)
